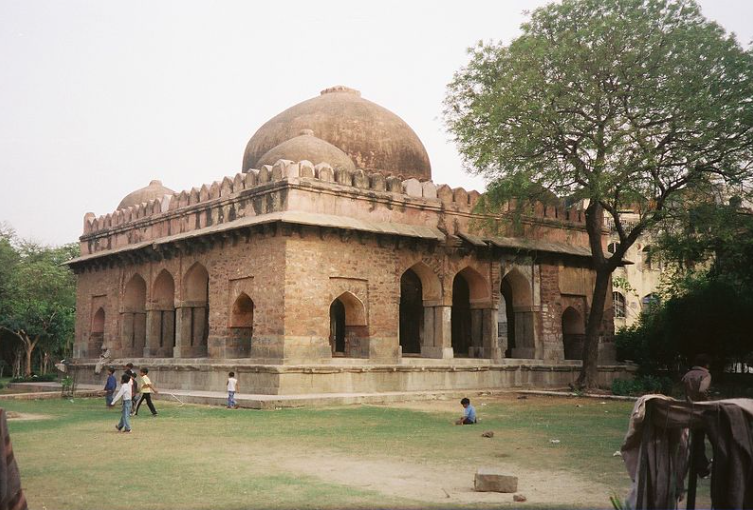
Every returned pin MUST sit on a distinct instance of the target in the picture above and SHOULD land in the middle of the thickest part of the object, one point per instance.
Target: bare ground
(450, 484)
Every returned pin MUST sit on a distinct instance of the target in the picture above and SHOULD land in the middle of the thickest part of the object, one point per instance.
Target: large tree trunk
(29, 345)
(594, 330)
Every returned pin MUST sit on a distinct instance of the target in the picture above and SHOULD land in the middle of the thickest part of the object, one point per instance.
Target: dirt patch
(14, 416)
(444, 483)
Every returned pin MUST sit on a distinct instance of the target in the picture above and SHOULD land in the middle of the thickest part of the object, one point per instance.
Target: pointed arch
(163, 290)
(242, 312)
(134, 295)
(196, 284)
(194, 323)
(478, 286)
(461, 316)
(516, 318)
(430, 284)
(97, 334)
(161, 326)
(573, 333)
(411, 312)
(133, 317)
(347, 320)
(98, 321)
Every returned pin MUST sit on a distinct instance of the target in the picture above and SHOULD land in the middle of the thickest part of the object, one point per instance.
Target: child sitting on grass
(469, 415)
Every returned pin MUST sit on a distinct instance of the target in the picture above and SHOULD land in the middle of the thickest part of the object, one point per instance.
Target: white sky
(98, 98)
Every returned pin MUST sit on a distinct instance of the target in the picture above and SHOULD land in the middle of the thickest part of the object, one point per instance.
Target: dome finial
(340, 88)
(306, 132)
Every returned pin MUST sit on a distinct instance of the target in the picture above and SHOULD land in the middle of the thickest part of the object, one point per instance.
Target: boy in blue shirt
(110, 386)
(469, 415)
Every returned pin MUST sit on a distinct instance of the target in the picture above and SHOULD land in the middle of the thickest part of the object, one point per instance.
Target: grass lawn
(407, 455)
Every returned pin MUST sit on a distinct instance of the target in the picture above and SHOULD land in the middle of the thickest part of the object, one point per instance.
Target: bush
(642, 385)
(36, 378)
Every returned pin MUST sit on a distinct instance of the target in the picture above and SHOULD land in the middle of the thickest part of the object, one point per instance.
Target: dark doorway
(337, 327)
(573, 334)
(461, 317)
(411, 312)
(509, 311)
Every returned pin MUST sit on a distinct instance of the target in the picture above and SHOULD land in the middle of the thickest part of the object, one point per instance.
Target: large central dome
(373, 137)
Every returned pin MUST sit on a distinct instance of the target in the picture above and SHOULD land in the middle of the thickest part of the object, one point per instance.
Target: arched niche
(411, 313)
(194, 327)
(517, 316)
(347, 316)
(471, 315)
(242, 312)
(97, 334)
(161, 339)
(240, 326)
(133, 317)
(573, 333)
(461, 316)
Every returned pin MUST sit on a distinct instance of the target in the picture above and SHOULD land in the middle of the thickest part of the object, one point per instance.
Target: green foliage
(642, 385)
(625, 103)
(37, 294)
(67, 383)
(712, 315)
(36, 378)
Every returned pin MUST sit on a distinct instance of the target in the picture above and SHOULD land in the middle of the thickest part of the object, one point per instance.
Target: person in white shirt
(125, 393)
(232, 387)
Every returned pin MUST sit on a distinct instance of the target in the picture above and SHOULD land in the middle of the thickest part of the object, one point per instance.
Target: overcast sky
(98, 98)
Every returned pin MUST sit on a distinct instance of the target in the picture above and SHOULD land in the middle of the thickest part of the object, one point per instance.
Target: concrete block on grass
(492, 480)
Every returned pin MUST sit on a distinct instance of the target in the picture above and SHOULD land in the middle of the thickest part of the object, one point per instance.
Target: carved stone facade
(304, 278)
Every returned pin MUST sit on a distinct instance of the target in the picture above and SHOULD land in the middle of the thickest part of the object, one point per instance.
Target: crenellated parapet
(258, 191)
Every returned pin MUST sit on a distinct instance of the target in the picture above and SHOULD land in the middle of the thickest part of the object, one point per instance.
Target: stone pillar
(126, 335)
(437, 324)
(525, 334)
(491, 348)
(153, 331)
(182, 332)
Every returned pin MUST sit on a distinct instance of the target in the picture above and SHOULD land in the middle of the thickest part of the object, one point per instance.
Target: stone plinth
(493, 480)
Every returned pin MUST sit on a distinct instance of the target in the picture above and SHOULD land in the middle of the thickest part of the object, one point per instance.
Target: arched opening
(411, 313)
(196, 311)
(461, 317)
(516, 324)
(134, 317)
(647, 257)
(506, 326)
(649, 303)
(347, 325)
(573, 333)
(163, 309)
(242, 314)
(470, 310)
(241, 327)
(97, 335)
(337, 327)
(619, 305)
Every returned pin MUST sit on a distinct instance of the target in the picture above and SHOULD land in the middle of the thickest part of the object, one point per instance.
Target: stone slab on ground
(493, 480)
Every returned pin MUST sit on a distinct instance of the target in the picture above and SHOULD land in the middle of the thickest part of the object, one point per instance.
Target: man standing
(696, 383)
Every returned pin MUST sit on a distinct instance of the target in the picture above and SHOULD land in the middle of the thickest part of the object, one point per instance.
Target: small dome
(373, 137)
(307, 147)
(138, 197)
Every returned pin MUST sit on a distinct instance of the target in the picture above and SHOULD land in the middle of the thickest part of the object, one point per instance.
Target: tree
(37, 296)
(620, 103)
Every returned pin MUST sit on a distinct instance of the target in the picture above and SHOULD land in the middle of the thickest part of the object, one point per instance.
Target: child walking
(125, 393)
(146, 392)
(110, 386)
(232, 387)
